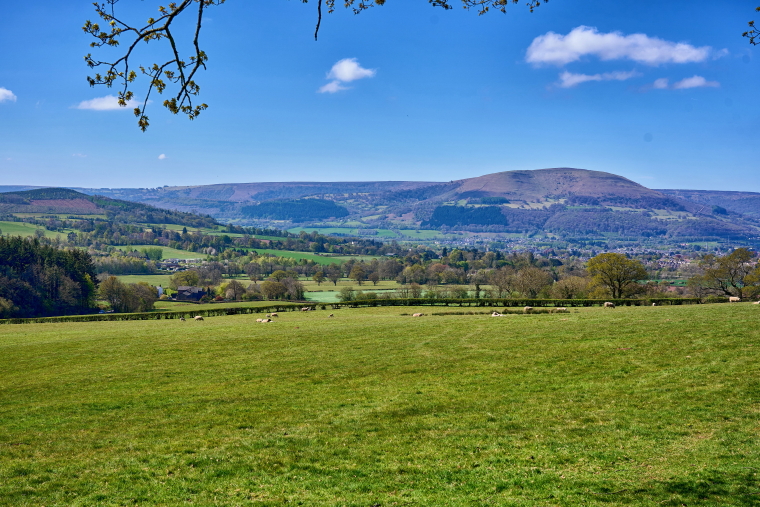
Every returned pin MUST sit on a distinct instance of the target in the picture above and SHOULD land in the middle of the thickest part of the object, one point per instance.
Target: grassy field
(24, 229)
(319, 259)
(632, 406)
(169, 253)
(162, 280)
(382, 233)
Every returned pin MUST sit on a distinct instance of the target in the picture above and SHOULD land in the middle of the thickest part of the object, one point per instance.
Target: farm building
(187, 293)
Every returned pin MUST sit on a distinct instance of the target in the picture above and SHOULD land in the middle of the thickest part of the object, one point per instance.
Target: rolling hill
(64, 201)
(563, 203)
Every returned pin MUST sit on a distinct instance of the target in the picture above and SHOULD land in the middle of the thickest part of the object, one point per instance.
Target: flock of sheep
(527, 309)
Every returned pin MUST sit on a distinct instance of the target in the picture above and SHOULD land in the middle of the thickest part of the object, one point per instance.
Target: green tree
(319, 277)
(273, 290)
(118, 295)
(347, 294)
(279, 275)
(333, 274)
(188, 278)
(616, 273)
(7, 308)
(153, 253)
(357, 274)
(735, 274)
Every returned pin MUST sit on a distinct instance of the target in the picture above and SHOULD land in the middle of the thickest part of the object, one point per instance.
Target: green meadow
(324, 259)
(168, 253)
(634, 406)
(24, 229)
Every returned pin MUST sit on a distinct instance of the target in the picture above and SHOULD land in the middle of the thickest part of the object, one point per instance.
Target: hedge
(506, 302)
(287, 307)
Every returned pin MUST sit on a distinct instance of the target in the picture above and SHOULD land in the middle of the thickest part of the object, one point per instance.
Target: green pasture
(634, 406)
(218, 231)
(319, 259)
(25, 230)
(422, 234)
(381, 233)
(156, 280)
(169, 253)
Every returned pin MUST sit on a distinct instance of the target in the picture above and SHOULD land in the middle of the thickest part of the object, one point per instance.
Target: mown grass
(631, 406)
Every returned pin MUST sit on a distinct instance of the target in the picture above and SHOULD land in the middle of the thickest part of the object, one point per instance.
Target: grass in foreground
(632, 406)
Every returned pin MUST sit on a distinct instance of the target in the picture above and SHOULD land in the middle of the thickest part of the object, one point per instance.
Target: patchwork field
(631, 406)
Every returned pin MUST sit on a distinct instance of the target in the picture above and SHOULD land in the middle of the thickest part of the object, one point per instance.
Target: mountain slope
(563, 202)
(67, 201)
(745, 203)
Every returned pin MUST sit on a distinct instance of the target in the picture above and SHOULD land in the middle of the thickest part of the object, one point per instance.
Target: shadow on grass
(710, 488)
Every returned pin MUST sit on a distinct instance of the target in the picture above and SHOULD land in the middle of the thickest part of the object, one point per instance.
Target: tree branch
(182, 73)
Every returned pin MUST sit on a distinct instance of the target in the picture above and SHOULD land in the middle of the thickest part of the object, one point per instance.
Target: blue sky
(663, 93)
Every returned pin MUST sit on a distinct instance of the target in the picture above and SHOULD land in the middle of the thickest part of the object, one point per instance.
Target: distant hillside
(745, 203)
(16, 188)
(50, 200)
(564, 202)
(295, 210)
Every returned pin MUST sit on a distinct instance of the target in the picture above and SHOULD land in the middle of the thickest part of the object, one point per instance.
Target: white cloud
(345, 71)
(107, 103)
(6, 95)
(695, 82)
(348, 69)
(79, 155)
(568, 79)
(660, 84)
(332, 87)
(557, 49)
(161, 157)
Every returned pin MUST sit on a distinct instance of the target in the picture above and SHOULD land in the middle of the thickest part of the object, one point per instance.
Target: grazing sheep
(274, 315)
(528, 309)
(182, 319)
(561, 309)
(269, 315)
(259, 320)
(734, 299)
(264, 321)
(496, 314)
(654, 304)
(418, 315)
(331, 315)
(756, 303)
(198, 317)
(609, 305)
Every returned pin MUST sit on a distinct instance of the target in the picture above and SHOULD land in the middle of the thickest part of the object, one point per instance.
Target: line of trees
(40, 280)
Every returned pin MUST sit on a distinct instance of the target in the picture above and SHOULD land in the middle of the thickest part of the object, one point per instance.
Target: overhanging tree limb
(182, 73)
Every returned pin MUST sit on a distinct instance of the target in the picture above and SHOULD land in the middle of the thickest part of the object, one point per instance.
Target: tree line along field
(630, 406)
